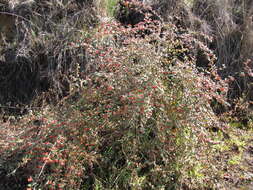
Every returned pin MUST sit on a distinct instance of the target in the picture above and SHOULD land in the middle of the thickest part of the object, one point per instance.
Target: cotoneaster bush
(149, 106)
(139, 120)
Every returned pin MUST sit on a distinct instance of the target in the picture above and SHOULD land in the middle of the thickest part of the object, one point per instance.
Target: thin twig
(45, 163)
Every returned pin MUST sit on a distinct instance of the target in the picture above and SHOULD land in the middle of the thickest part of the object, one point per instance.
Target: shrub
(138, 120)
(148, 105)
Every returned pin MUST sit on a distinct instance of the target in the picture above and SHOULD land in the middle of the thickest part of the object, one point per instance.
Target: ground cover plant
(140, 111)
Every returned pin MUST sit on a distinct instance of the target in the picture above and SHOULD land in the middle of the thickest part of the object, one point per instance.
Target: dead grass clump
(40, 58)
(217, 14)
(231, 27)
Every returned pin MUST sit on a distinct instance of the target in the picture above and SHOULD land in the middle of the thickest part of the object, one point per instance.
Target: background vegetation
(118, 94)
